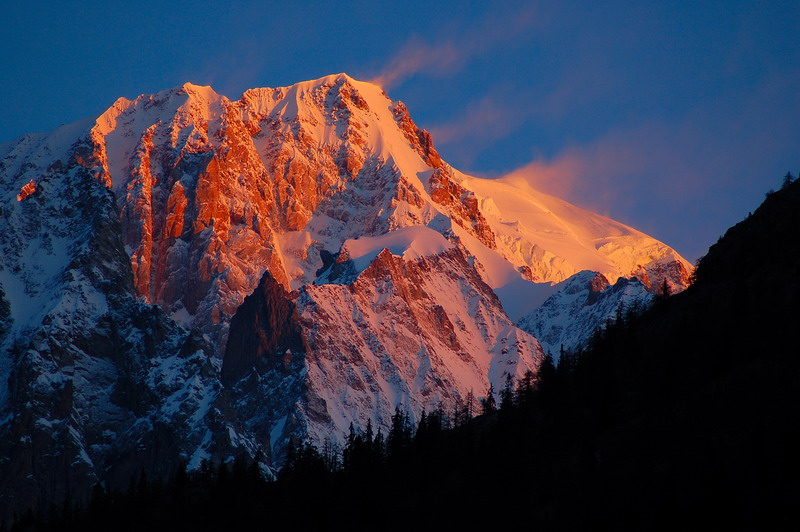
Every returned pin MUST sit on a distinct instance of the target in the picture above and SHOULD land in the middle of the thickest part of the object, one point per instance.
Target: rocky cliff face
(191, 277)
(195, 201)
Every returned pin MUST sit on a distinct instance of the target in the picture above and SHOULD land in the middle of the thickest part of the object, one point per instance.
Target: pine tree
(352, 450)
(488, 403)
(369, 434)
(469, 407)
(399, 434)
(351, 436)
(507, 395)
(525, 389)
(423, 422)
(547, 374)
(665, 291)
(787, 180)
(458, 412)
(379, 446)
(437, 420)
(290, 462)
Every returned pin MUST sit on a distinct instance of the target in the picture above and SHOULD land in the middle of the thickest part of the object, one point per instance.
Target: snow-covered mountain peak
(162, 104)
(212, 193)
(270, 181)
(336, 110)
(303, 249)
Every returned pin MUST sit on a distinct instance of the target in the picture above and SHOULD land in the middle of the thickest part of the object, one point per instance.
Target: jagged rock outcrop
(264, 333)
(462, 205)
(195, 201)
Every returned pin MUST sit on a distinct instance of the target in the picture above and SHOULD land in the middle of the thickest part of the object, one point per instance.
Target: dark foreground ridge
(686, 416)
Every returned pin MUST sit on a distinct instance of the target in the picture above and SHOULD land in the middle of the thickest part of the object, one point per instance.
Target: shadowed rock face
(95, 385)
(264, 333)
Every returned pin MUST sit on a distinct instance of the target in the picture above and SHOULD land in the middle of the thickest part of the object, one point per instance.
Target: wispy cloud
(231, 69)
(548, 98)
(704, 149)
(482, 122)
(683, 181)
(451, 54)
(417, 56)
(489, 118)
(592, 175)
(638, 176)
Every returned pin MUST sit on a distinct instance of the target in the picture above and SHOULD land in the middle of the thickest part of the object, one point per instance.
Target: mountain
(227, 275)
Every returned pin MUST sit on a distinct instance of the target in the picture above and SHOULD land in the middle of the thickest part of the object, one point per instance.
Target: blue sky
(674, 117)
